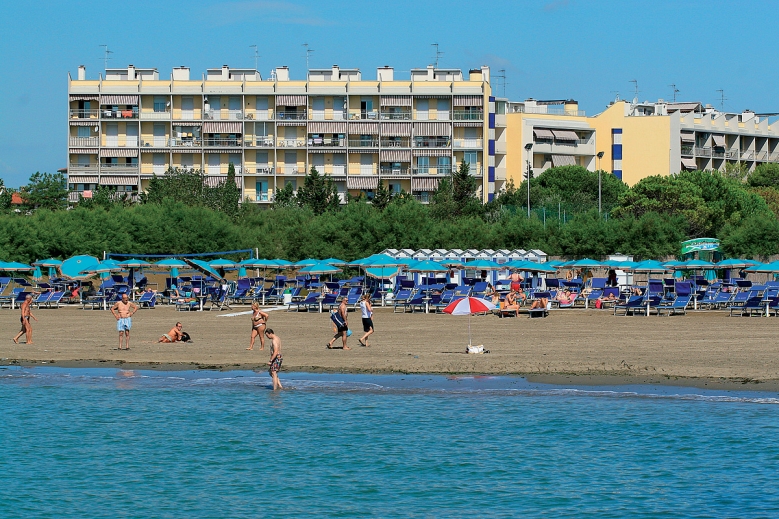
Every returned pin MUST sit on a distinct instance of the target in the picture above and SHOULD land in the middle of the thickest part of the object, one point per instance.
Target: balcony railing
(152, 115)
(468, 143)
(218, 142)
(120, 141)
(84, 142)
(363, 143)
(336, 170)
(328, 115)
(396, 116)
(468, 115)
(187, 142)
(547, 110)
(187, 115)
(422, 142)
(155, 142)
(82, 168)
(395, 172)
(259, 115)
(363, 114)
(119, 168)
(476, 170)
(290, 143)
(687, 151)
(291, 116)
(403, 142)
(264, 170)
(131, 113)
(720, 153)
(363, 169)
(423, 197)
(287, 169)
(259, 142)
(84, 114)
(332, 142)
(223, 115)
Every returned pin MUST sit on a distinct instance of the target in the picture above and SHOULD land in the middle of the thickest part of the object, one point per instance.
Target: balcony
(263, 170)
(363, 143)
(423, 197)
(116, 169)
(259, 115)
(469, 143)
(153, 115)
(395, 172)
(84, 114)
(220, 142)
(291, 143)
(158, 142)
(363, 169)
(401, 142)
(548, 109)
(327, 142)
(187, 115)
(74, 197)
(84, 142)
(433, 170)
(259, 141)
(396, 116)
(334, 115)
(153, 169)
(549, 147)
(431, 142)
(74, 168)
(132, 113)
(223, 115)
(186, 142)
(468, 115)
(287, 169)
(120, 141)
(721, 153)
(356, 115)
(291, 116)
(500, 147)
(334, 170)
(687, 151)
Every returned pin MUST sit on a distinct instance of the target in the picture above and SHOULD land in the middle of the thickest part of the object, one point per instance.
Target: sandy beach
(704, 349)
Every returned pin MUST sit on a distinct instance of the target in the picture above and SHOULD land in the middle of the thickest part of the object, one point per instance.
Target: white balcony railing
(259, 115)
(259, 141)
(332, 142)
(357, 115)
(395, 116)
(291, 116)
(82, 168)
(84, 142)
(120, 141)
(422, 142)
(150, 115)
(363, 143)
(218, 142)
(84, 114)
(290, 143)
(156, 142)
(186, 142)
(468, 143)
(119, 168)
(468, 115)
(395, 172)
(287, 169)
(120, 114)
(403, 142)
(187, 115)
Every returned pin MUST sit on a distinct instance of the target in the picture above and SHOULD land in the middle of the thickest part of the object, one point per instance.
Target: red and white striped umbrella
(468, 306)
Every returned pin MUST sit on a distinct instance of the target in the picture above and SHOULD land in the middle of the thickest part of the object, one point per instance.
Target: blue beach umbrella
(334, 261)
(134, 263)
(768, 268)
(37, 274)
(308, 262)
(586, 263)
(736, 263)
(319, 268)
(171, 263)
(282, 264)
(72, 267)
(15, 266)
(203, 267)
(381, 260)
(49, 262)
(222, 263)
(426, 266)
(482, 264)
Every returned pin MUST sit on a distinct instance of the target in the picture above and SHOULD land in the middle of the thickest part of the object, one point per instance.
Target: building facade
(131, 125)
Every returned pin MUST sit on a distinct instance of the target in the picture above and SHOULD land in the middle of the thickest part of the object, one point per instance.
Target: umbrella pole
(469, 330)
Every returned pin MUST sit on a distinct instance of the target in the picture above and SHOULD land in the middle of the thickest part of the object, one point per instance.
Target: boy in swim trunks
(275, 358)
(123, 311)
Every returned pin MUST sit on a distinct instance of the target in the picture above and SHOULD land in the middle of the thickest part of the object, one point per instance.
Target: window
(261, 191)
(160, 103)
(83, 131)
(444, 165)
(422, 109)
(422, 165)
(470, 157)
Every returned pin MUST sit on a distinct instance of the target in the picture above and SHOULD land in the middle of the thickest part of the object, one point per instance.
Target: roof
(684, 107)
(17, 199)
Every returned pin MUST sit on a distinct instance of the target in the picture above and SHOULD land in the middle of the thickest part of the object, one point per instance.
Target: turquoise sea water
(108, 443)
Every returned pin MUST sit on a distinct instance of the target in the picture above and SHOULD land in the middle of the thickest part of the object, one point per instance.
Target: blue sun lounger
(679, 305)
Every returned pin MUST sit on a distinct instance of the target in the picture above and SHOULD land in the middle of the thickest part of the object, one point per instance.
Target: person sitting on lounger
(565, 297)
(510, 304)
(174, 335)
(540, 304)
(492, 295)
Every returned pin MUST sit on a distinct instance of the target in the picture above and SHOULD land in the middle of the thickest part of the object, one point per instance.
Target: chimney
(130, 71)
(282, 73)
(385, 73)
(225, 72)
(336, 75)
(181, 73)
(82, 72)
(485, 73)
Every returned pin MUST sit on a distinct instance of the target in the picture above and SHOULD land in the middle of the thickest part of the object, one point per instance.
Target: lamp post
(600, 156)
(528, 147)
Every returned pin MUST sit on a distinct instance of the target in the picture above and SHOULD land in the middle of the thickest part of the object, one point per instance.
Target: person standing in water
(274, 365)
(259, 324)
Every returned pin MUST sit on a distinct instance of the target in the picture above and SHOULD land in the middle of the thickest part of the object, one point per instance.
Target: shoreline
(556, 379)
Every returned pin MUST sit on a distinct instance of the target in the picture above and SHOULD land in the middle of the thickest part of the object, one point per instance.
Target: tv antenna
(501, 75)
(722, 100)
(256, 55)
(438, 54)
(106, 56)
(616, 95)
(635, 86)
(308, 53)
(675, 90)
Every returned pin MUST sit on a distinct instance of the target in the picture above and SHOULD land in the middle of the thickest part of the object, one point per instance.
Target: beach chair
(401, 298)
(353, 298)
(329, 301)
(147, 300)
(479, 289)
(186, 304)
(679, 305)
(631, 305)
(416, 302)
(54, 299)
(219, 300)
(539, 312)
(311, 300)
(462, 291)
(41, 299)
(6, 300)
(443, 301)
(752, 306)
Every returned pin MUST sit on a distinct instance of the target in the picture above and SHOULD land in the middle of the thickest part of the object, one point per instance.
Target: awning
(118, 180)
(222, 127)
(119, 100)
(326, 127)
(565, 135)
(187, 150)
(432, 129)
(395, 156)
(431, 96)
(291, 100)
(367, 128)
(543, 134)
(719, 140)
(458, 122)
(395, 100)
(155, 149)
(324, 149)
(362, 182)
(424, 184)
(468, 101)
(291, 122)
(688, 137)
(187, 124)
(84, 97)
(82, 151)
(396, 129)
(563, 160)
(84, 123)
(82, 179)
(432, 152)
(119, 152)
(689, 164)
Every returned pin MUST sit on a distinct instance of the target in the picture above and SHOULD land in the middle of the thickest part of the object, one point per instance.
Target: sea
(94, 443)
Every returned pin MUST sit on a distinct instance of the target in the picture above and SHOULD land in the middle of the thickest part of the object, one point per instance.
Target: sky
(587, 50)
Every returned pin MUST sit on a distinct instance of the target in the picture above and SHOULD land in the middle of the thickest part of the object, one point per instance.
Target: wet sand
(582, 347)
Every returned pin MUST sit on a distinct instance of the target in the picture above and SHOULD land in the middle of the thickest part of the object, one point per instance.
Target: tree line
(181, 213)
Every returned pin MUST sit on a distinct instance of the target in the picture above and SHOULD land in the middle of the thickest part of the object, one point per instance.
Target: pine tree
(318, 193)
(382, 197)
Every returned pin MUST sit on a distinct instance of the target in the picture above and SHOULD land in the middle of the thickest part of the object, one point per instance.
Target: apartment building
(131, 125)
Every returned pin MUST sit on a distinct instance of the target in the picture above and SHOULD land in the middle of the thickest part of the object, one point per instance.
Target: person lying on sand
(174, 335)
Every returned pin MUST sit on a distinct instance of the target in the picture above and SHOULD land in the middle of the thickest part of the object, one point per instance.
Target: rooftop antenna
(502, 76)
(106, 56)
(308, 53)
(675, 90)
(256, 55)
(616, 95)
(722, 100)
(635, 85)
(438, 54)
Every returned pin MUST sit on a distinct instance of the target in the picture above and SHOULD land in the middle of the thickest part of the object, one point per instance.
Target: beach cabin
(437, 255)
(422, 254)
(405, 253)
(623, 277)
(390, 252)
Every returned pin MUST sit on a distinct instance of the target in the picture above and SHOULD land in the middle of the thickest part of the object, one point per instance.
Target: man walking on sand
(275, 358)
(340, 318)
(26, 324)
(123, 311)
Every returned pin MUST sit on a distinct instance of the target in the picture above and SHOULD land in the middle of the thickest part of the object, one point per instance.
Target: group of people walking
(340, 318)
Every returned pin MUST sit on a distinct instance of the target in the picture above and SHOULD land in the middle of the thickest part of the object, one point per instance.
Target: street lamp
(528, 147)
(600, 156)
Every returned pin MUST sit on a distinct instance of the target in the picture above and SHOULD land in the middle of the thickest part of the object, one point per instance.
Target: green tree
(382, 197)
(318, 193)
(184, 185)
(46, 191)
(284, 197)
(736, 170)
(764, 175)
(228, 199)
(5, 196)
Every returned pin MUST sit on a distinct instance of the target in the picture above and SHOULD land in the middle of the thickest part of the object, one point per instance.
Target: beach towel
(338, 319)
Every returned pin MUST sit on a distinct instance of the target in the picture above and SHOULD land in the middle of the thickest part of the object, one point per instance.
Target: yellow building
(131, 125)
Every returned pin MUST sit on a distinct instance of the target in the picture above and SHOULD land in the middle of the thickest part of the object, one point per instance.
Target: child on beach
(275, 358)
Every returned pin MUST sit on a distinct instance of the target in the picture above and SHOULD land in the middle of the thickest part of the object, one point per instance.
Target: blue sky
(550, 49)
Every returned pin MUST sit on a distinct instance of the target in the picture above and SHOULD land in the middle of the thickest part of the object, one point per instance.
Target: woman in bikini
(259, 322)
